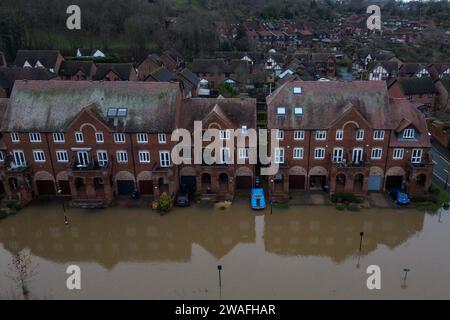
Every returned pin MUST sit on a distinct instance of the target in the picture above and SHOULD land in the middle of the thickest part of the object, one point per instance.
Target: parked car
(258, 201)
(182, 198)
(400, 196)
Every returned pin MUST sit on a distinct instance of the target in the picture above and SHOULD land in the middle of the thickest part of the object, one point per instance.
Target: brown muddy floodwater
(295, 253)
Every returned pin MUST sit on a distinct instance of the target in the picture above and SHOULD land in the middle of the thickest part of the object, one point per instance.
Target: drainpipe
(387, 159)
(51, 162)
(309, 159)
(132, 158)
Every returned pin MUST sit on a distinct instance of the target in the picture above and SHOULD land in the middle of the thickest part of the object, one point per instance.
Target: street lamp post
(66, 221)
(361, 235)
(219, 267)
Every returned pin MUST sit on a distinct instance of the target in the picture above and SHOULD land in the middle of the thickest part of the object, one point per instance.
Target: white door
(357, 155)
(83, 158)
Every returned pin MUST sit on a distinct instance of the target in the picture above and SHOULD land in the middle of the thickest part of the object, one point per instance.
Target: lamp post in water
(219, 267)
(361, 235)
(66, 221)
(271, 195)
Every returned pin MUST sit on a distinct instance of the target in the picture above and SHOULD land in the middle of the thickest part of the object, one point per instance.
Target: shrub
(343, 197)
(340, 206)
(165, 202)
(155, 205)
(353, 207)
(433, 189)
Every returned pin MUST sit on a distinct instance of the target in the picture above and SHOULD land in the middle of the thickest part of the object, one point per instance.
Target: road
(441, 169)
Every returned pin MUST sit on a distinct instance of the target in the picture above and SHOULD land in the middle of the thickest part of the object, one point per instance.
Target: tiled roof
(413, 86)
(240, 111)
(69, 68)
(47, 58)
(9, 75)
(123, 70)
(51, 105)
(323, 102)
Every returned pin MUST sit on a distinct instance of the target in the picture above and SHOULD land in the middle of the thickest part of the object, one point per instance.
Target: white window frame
(224, 134)
(144, 156)
(2, 157)
(408, 133)
(339, 134)
(280, 134)
(39, 156)
(321, 135)
(298, 111)
(378, 135)
(142, 138)
(376, 153)
(162, 138)
(102, 161)
(79, 137)
(398, 153)
(317, 152)
(279, 155)
(98, 135)
(119, 137)
(35, 137)
(299, 135)
(62, 156)
(298, 153)
(243, 153)
(338, 155)
(15, 137)
(122, 156)
(416, 155)
(359, 135)
(58, 137)
(19, 155)
(164, 162)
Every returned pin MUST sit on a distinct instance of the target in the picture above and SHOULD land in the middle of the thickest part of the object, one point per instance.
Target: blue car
(399, 196)
(258, 202)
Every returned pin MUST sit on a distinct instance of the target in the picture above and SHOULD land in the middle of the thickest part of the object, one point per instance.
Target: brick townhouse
(349, 136)
(97, 140)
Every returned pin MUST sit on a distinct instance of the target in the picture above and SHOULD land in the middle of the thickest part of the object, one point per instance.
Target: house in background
(47, 59)
(90, 53)
(172, 60)
(9, 76)
(439, 70)
(115, 72)
(77, 70)
(417, 70)
(421, 92)
(383, 70)
(150, 64)
(443, 89)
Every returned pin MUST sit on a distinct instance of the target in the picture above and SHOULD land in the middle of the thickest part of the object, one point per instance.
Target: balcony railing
(92, 164)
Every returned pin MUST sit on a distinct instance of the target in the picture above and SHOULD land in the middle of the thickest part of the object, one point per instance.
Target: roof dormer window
(297, 90)
(298, 111)
(408, 134)
(281, 111)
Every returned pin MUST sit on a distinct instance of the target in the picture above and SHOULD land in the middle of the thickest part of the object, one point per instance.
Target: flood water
(295, 253)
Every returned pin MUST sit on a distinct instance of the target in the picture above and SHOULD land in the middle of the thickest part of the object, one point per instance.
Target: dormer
(27, 64)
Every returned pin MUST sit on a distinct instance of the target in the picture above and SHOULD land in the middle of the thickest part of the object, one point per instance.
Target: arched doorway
(340, 182)
(223, 182)
(358, 182)
(206, 182)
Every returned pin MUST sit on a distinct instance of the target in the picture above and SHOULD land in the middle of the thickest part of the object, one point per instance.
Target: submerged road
(441, 169)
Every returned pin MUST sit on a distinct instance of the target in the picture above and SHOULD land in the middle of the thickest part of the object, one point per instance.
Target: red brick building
(349, 136)
(93, 141)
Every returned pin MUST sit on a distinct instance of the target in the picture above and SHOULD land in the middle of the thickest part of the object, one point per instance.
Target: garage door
(45, 187)
(243, 182)
(146, 187)
(297, 182)
(394, 182)
(125, 187)
(374, 183)
(64, 186)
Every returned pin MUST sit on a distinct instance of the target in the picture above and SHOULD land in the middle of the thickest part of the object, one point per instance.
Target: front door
(83, 158)
(357, 155)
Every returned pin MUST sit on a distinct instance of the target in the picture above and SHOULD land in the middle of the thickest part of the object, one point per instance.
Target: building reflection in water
(336, 234)
(116, 235)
